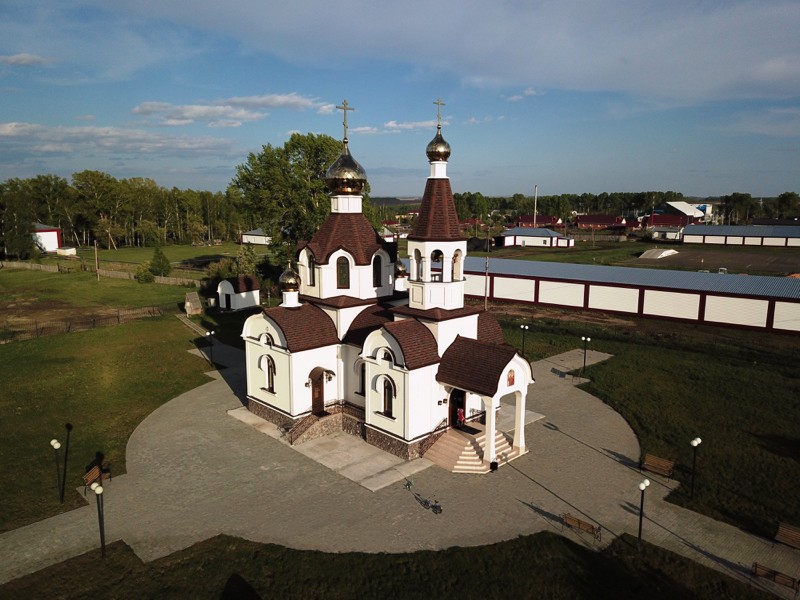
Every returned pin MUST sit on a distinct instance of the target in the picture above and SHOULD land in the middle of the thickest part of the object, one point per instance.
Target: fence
(27, 331)
(103, 272)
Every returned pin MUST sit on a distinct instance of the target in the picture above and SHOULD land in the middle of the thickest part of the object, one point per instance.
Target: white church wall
(351, 375)
(377, 372)
(426, 408)
(446, 332)
(257, 377)
(302, 365)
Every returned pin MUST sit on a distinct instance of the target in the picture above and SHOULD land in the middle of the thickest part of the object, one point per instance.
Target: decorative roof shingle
(367, 321)
(436, 314)
(474, 366)
(305, 327)
(351, 232)
(416, 341)
(489, 329)
(244, 283)
(438, 219)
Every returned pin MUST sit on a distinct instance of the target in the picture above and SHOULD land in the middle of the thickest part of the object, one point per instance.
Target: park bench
(576, 523)
(96, 474)
(788, 534)
(662, 466)
(776, 576)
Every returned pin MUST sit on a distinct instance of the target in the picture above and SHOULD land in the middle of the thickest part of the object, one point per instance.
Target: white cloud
(223, 115)
(682, 49)
(36, 139)
(22, 60)
(293, 101)
(776, 122)
(515, 98)
(409, 125)
(84, 117)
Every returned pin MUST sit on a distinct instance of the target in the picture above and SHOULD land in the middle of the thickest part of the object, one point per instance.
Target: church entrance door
(318, 393)
(457, 400)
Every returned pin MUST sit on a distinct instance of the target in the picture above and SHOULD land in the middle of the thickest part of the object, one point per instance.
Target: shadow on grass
(780, 445)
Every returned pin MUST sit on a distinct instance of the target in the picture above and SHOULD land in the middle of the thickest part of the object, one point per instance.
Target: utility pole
(535, 203)
(96, 261)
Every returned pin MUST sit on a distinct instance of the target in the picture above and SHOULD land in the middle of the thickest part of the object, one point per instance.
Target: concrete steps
(459, 452)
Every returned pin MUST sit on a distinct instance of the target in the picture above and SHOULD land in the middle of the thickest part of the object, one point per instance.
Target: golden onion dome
(399, 270)
(345, 175)
(438, 149)
(289, 280)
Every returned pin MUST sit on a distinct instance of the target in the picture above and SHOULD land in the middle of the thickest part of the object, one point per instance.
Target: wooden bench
(662, 466)
(96, 474)
(576, 523)
(788, 534)
(776, 576)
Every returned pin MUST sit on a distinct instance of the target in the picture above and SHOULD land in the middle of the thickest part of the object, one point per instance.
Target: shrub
(160, 264)
(144, 274)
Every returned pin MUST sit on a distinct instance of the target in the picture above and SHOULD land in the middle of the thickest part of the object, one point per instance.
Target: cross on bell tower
(344, 108)
(439, 104)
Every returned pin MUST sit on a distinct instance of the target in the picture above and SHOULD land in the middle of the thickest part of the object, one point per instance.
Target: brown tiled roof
(436, 314)
(489, 329)
(416, 341)
(305, 327)
(244, 283)
(337, 301)
(474, 366)
(367, 321)
(437, 220)
(351, 232)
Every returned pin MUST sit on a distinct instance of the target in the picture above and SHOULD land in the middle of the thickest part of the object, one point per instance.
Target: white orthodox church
(358, 345)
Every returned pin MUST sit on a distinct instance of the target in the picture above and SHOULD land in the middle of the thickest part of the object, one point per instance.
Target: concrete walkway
(195, 471)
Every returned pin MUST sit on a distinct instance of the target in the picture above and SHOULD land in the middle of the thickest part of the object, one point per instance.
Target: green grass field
(104, 382)
(82, 290)
(739, 391)
(541, 566)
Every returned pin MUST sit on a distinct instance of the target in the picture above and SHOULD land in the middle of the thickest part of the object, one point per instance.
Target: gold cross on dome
(439, 104)
(344, 108)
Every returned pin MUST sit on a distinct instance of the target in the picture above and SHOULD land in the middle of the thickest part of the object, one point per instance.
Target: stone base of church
(269, 414)
(391, 444)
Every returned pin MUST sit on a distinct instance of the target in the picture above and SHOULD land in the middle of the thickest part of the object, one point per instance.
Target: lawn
(82, 290)
(541, 566)
(104, 382)
(739, 391)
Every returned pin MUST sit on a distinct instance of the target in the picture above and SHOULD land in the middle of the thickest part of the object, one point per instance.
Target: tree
(284, 187)
(17, 216)
(787, 205)
(159, 265)
(246, 260)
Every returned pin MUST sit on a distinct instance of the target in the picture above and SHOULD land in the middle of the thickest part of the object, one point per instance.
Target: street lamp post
(524, 329)
(56, 445)
(68, 427)
(210, 338)
(694, 443)
(585, 341)
(642, 486)
(98, 492)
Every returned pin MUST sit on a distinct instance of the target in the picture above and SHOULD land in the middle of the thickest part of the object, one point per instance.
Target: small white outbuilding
(239, 292)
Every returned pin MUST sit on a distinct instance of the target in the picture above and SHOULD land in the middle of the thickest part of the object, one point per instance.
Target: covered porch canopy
(490, 371)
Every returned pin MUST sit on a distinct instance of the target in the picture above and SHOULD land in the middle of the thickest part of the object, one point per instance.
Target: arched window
(458, 266)
(437, 260)
(377, 271)
(267, 365)
(386, 355)
(342, 273)
(362, 378)
(418, 261)
(388, 396)
(266, 340)
(312, 271)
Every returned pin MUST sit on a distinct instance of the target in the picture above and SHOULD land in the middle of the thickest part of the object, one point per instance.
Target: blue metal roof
(771, 231)
(739, 285)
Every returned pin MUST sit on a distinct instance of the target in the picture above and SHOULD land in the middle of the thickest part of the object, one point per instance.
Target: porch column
(519, 423)
(491, 426)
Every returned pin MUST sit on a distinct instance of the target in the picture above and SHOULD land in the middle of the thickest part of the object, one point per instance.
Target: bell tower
(436, 248)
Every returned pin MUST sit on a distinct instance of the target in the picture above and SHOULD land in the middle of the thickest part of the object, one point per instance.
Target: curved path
(194, 472)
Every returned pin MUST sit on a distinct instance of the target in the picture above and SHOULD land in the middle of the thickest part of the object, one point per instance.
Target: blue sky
(700, 97)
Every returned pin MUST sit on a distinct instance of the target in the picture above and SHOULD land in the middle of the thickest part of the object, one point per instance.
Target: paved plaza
(200, 466)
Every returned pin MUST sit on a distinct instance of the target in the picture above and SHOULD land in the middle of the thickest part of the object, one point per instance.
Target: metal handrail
(433, 436)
